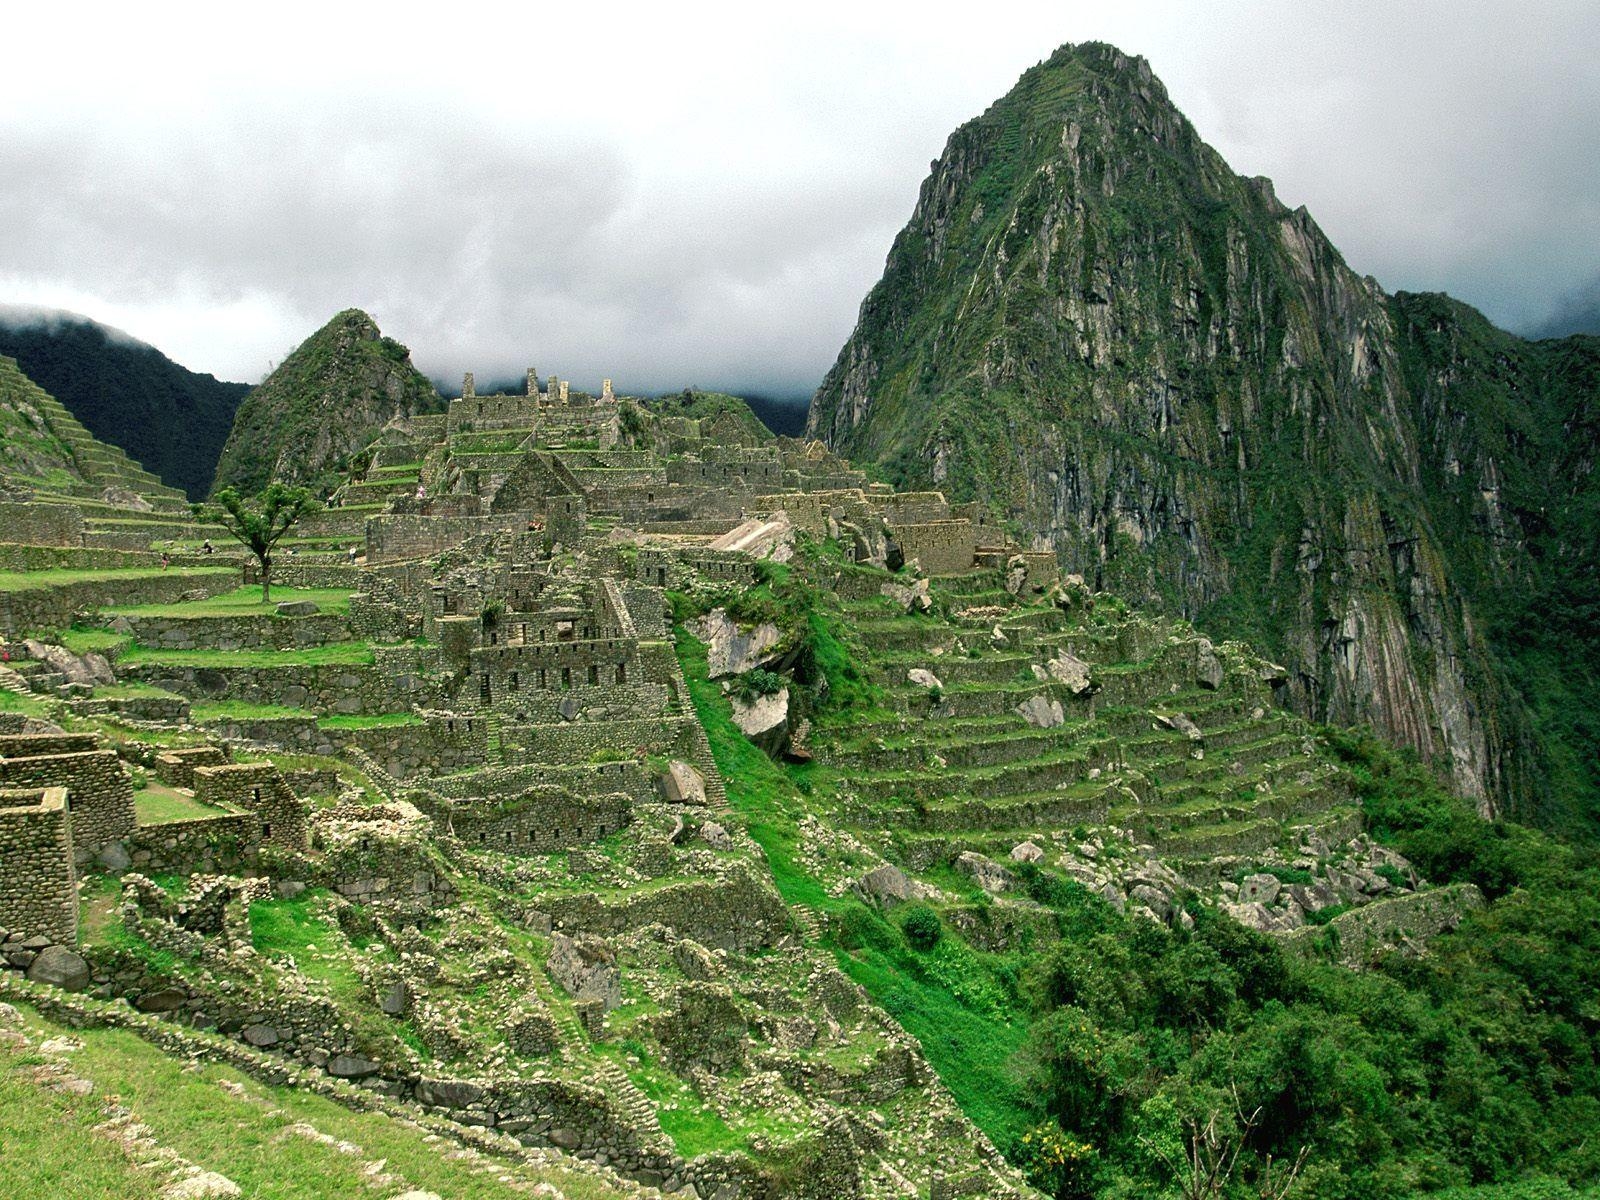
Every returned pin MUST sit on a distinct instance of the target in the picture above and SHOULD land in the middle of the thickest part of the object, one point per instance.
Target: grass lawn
(239, 710)
(159, 804)
(29, 581)
(379, 721)
(23, 702)
(86, 641)
(333, 654)
(243, 601)
(263, 1138)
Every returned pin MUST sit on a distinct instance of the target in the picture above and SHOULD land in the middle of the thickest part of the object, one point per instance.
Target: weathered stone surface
(298, 608)
(261, 1036)
(1026, 852)
(1016, 573)
(1207, 667)
(1067, 669)
(90, 670)
(1181, 723)
(730, 649)
(913, 597)
(395, 999)
(682, 784)
(64, 968)
(161, 1000)
(586, 968)
(764, 720)
(715, 836)
(448, 1093)
(351, 1066)
(886, 885)
(924, 678)
(1041, 711)
(988, 874)
(1259, 889)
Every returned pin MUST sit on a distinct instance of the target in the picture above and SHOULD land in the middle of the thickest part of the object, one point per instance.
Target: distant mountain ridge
(1156, 369)
(321, 405)
(127, 393)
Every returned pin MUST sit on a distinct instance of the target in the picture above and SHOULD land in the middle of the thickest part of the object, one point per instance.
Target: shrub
(922, 927)
(755, 683)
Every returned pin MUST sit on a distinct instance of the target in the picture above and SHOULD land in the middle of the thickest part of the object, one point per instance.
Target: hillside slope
(323, 403)
(172, 420)
(1157, 369)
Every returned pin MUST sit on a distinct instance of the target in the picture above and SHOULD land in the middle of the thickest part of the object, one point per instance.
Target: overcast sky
(690, 194)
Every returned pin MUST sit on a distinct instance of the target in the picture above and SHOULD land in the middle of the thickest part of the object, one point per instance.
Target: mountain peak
(322, 404)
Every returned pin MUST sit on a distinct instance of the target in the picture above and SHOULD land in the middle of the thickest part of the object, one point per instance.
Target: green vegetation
(258, 524)
(333, 654)
(158, 804)
(171, 420)
(321, 407)
(22, 581)
(243, 601)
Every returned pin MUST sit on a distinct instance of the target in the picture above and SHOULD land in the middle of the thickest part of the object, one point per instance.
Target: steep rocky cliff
(324, 403)
(1154, 367)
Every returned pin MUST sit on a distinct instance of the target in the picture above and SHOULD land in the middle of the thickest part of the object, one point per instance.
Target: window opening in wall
(566, 677)
(266, 830)
(255, 794)
(622, 672)
(515, 682)
(483, 689)
(594, 674)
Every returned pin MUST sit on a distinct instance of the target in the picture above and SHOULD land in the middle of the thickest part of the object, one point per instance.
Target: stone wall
(38, 885)
(26, 745)
(266, 632)
(394, 537)
(228, 842)
(940, 547)
(42, 524)
(539, 821)
(354, 688)
(175, 767)
(99, 793)
(260, 789)
(54, 607)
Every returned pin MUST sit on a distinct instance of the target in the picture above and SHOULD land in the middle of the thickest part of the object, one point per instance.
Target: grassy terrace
(276, 1143)
(352, 654)
(159, 804)
(243, 601)
(27, 581)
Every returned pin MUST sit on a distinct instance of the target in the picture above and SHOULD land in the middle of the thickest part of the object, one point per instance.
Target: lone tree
(258, 523)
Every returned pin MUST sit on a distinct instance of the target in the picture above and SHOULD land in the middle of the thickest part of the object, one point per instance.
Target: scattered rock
(395, 999)
(161, 1000)
(765, 720)
(1207, 666)
(1026, 852)
(886, 885)
(1259, 889)
(1180, 723)
(924, 678)
(1067, 669)
(998, 638)
(1016, 573)
(298, 608)
(62, 967)
(716, 836)
(207, 1185)
(260, 1036)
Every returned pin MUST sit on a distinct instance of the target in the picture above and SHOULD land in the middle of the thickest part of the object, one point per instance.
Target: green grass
(23, 702)
(29, 581)
(243, 601)
(241, 1130)
(161, 805)
(97, 641)
(240, 710)
(333, 654)
(377, 721)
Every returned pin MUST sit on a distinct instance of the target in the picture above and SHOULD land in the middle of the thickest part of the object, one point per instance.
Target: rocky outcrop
(730, 648)
(1173, 380)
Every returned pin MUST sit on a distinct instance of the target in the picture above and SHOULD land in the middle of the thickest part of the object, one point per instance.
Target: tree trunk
(266, 579)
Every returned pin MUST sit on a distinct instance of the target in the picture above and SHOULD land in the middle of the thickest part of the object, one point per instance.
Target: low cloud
(707, 200)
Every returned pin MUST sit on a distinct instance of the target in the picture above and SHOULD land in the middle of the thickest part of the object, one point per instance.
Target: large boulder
(985, 872)
(1016, 573)
(1041, 711)
(1207, 666)
(586, 968)
(64, 968)
(764, 720)
(924, 678)
(1180, 723)
(298, 608)
(913, 596)
(1026, 852)
(886, 886)
(682, 784)
(1068, 670)
(1259, 889)
(730, 649)
(91, 669)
